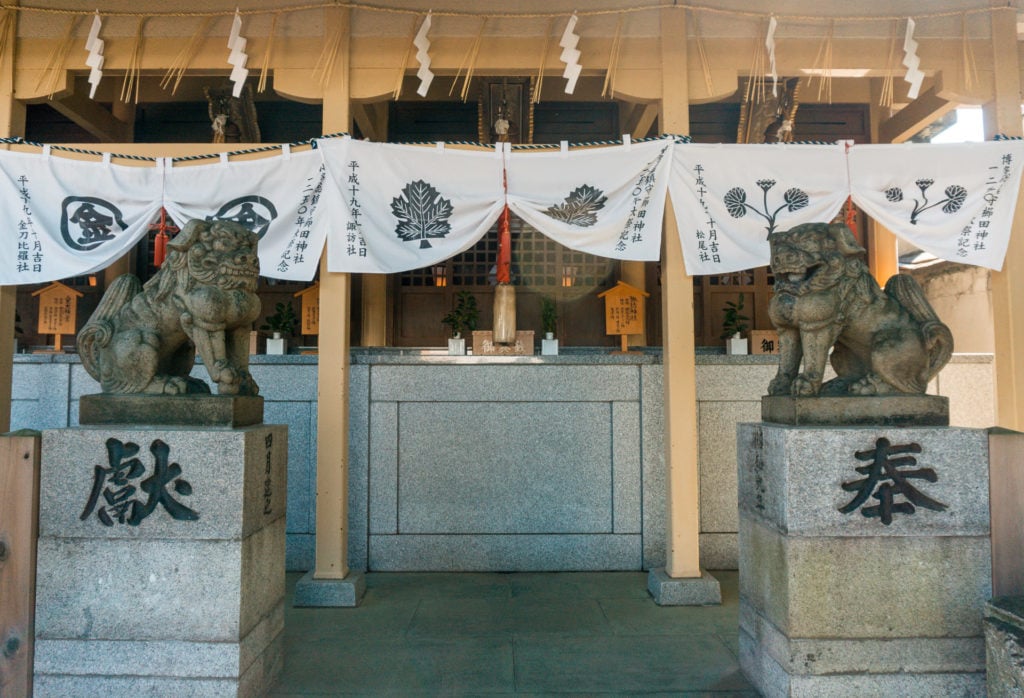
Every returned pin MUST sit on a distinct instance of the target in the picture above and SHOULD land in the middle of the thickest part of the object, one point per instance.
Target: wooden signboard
(624, 311)
(310, 312)
(58, 306)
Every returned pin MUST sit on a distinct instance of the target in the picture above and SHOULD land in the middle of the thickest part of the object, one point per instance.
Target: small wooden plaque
(310, 312)
(764, 342)
(58, 307)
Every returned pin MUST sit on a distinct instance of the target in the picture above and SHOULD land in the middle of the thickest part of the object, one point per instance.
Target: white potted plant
(549, 322)
(281, 325)
(734, 324)
(462, 320)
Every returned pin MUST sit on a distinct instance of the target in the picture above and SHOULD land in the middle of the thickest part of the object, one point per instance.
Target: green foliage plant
(548, 314)
(733, 322)
(283, 320)
(464, 316)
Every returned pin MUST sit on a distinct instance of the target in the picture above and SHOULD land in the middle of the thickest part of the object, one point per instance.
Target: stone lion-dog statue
(883, 342)
(143, 339)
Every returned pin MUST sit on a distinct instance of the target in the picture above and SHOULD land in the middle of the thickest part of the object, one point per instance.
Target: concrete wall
(528, 463)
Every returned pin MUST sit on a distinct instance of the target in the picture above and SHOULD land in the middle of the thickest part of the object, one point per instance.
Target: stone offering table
(865, 559)
(161, 553)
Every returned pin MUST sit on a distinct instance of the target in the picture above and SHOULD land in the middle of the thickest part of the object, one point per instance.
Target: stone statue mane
(881, 342)
(143, 339)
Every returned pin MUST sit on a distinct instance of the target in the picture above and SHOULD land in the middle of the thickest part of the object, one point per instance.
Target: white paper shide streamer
(570, 55)
(911, 60)
(422, 44)
(238, 56)
(94, 45)
(769, 42)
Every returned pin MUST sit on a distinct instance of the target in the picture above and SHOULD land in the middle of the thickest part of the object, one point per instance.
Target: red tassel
(851, 214)
(161, 238)
(159, 249)
(504, 248)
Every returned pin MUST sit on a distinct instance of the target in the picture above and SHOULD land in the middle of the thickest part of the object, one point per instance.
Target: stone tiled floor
(512, 634)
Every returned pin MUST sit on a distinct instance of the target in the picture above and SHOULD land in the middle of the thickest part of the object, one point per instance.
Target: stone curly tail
(937, 338)
(98, 332)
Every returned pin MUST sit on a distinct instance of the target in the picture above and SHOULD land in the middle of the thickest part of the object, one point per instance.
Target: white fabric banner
(279, 198)
(606, 201)
(70, 217)
(954, 201)
(729, 198)
(406, 207)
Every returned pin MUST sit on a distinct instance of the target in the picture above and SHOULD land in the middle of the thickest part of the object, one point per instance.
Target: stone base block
(1004, 645)
(86, 668)
(695, 591)
(772, 680)
(177, 410)
(160, 565)
(322, 593)
(836, 601)
(885, 410)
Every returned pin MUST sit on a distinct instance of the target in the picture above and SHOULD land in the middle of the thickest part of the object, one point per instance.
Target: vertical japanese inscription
(30, 248)
(268, 485)
(295, 253)
(707, 239)
(355, 243)
(633, 230)
(117, 489)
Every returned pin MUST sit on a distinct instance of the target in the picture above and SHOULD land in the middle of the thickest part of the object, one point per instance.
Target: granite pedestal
(1004, 646)
(160, 561)
(842, 604)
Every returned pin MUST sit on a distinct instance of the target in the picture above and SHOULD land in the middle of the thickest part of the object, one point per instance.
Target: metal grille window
(537, 262)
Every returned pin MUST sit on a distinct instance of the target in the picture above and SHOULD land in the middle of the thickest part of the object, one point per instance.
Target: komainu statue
(882, 342)
(143, 339)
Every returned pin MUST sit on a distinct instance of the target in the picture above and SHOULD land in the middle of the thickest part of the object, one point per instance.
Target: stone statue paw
(176, 385)
(805, 386)
(780, 385)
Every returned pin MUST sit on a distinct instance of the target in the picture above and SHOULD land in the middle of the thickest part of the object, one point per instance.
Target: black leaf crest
(955, 197)
(422, 213)
(793, 199)
(580, 207)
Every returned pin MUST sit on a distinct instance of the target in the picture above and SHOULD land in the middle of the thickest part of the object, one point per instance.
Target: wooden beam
(12, 123)
(915, 116)
(682, 480)
(645, 115)
(333, 375)
(95, 119)
(19, 528)
(1002, 115)
(365, 121)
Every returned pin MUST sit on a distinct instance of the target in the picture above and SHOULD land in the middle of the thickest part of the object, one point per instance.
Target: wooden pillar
(12, 123)
(19, 528)
(882, 245)
(1002, 115)
(333, 373)
(682, 482)
(375, 311)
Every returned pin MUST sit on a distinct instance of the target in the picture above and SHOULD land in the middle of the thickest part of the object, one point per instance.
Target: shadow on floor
(470, 634)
